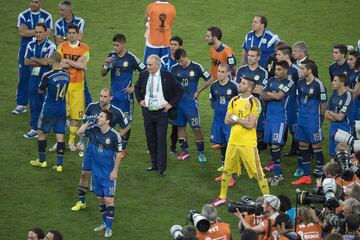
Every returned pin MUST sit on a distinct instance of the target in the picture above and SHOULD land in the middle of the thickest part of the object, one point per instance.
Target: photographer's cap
(274, 201)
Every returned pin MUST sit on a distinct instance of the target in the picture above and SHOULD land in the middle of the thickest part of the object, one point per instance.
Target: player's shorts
(310, 133)
(127, 107)
(220, 132)
(333, 127)
(103, 187)
(274, 133)
(56, 123)
(249, 156)
(75, 101)
(87, 161)
(157, 51)
(188, 112)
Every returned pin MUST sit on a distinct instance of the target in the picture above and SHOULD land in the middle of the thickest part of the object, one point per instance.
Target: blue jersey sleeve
(203, 73)
(91, 131)
(322, 91)
(347, 107)
(117, 145)
(29, 51)
(139, 65)
(287, 87)
(44, 82)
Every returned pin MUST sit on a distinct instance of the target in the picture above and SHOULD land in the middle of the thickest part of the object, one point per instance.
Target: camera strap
(269, 226)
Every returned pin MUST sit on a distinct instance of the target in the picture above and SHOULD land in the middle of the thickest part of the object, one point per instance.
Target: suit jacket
(172, 89)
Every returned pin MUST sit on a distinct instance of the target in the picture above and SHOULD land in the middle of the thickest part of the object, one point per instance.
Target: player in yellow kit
(242, 114)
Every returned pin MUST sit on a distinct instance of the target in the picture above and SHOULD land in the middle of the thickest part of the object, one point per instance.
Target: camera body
(246, 204)
(337, 222)
(348, 169)
(345, 137)
(176, 232)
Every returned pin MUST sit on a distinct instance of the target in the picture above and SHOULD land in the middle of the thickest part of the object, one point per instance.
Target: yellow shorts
(249, 156)
(75, 101)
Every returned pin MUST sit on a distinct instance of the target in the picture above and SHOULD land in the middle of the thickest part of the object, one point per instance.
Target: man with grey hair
(300, 53)
(218, 229)
(351, 206)
(158, 93)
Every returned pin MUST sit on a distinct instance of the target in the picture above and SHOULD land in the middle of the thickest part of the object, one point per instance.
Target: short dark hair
(189, 232)
(179, 53)
(248, 234)
(39, 232)
(66, 3)
(342, 48)
(285, 203)
(251, 81)
(283, 218)
(108, 113)
(57, 234)
(309, 64)
(256, 49)
(215, 32)
(42, 25)
(283, 64)
(285, 49)
(342, 78)
(119, 37)
(177, 39)
(357, 62)
(73, 26)
(354, 53)
(353, 222)
(263, 20)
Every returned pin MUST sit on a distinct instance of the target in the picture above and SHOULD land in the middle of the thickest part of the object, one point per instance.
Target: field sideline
(146, 205)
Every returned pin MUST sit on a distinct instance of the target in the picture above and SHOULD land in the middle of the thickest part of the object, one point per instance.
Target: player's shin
(60, 150)
(223, 152)
(103, 211)
(276, 156)
(125, 139)
(72, 134)
(82, 194)
(42, 150)
(305, 153)
(319, 157)
(183, 144)
(110, 211)
(224, 184)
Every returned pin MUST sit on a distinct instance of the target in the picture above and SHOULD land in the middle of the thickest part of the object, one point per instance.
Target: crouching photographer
(269, 209)
(218, 229)
(183, 233)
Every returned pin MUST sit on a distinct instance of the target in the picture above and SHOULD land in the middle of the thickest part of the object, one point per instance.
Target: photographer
(218, 229)
(284, 228)
(271, 207)
(308, 224)
(187, 232)
(345, 161)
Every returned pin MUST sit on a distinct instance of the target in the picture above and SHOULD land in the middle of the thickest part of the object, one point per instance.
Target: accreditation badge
(35, 71)
(153, 104)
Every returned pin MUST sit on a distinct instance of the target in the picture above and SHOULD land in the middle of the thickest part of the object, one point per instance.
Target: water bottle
(111, 64)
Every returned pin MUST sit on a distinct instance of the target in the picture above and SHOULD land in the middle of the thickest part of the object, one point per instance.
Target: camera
(246, 204)
(176, 232)
(336, 222)
(328, 198)
(90, 118)
(199, 221)
(348, 169)
(345, 137)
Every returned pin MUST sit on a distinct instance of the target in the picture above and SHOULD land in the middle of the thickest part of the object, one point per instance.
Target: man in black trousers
(158, 93)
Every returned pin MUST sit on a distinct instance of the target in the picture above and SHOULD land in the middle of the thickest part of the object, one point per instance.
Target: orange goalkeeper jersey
(74, 53)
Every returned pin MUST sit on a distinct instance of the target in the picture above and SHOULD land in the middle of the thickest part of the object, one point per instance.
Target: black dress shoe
(162, 174)
(151, 169)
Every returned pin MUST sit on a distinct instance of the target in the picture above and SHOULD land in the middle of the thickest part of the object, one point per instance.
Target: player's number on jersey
(60, 92)
(185, 82)
(222, 100)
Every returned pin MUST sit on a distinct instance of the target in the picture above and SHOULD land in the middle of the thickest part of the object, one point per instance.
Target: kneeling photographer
(187, 232)
(269, 209)
(218, 229)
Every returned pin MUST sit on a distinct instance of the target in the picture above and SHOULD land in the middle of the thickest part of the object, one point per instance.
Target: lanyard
(42, 48)
(252, 40)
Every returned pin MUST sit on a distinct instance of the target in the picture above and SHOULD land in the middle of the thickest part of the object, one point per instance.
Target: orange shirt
(344, 183)
(161, 16)
(309, 232)
(223, 54)
(217, 231)
(74, 53)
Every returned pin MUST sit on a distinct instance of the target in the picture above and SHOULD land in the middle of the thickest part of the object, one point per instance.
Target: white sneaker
(31, 134)
(53, 148)
(72, 147)
(19, 109)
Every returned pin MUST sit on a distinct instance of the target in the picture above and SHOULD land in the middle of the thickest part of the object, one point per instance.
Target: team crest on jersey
(311, 91)
(191, 73)
(125, 64)
(107, 141)
(247, 106)
(41, 20)
(281, 86)
(264, 41)
(257, 77)
(228, 92)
